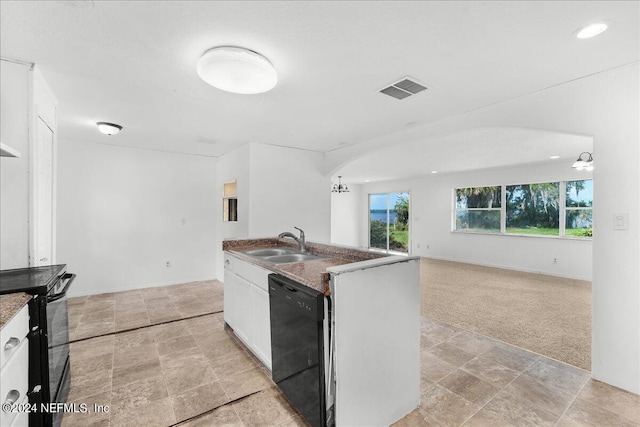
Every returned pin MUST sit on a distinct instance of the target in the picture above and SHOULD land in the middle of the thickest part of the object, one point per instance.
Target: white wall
(431, 218)
(346, 217)
(287, 190)
(278, 188)
(232, 166)
(14, 172)
(120, 217)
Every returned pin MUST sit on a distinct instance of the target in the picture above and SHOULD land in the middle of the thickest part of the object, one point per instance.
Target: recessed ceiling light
(237, 70)
(434, 171)
(554, 157)
(591, 30)
(109, 128)
(367, 180)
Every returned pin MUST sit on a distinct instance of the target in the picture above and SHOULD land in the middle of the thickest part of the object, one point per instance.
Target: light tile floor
(192, 372)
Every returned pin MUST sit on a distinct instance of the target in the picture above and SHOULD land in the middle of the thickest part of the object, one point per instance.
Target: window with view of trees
(562, 208)
(389, 221)
(533, 209)
(578, 208)
(478, 209)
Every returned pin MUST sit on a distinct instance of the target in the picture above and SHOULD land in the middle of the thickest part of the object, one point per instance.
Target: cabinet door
(261, 325)
(241, 306)
(230, 286)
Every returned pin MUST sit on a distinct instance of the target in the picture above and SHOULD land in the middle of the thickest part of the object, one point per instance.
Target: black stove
(33, 281)
(49, 364)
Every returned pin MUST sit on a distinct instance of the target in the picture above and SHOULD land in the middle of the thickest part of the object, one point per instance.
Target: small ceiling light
(339, 187)
(584, 162)
(591, 30)
(109, 128)
(237, 70)
(554, 157)
(434, 171)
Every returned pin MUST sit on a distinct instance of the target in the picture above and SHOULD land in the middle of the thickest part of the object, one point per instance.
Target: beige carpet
(545, 314)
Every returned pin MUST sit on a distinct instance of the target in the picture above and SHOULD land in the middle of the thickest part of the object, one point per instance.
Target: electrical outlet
(418, 246)
(168, 265)
(555, 260)
(427, 246)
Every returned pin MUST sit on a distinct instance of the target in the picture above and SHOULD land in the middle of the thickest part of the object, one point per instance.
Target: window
(578, 208)
(562, 209)
(478, 209)
(389, 221)
(533, 209)
(229, 202)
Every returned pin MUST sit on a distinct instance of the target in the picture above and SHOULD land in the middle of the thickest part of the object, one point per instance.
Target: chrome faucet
(302, 245)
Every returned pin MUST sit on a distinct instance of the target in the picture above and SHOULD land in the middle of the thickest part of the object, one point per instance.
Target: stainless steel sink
(296, 257)
(270, 252)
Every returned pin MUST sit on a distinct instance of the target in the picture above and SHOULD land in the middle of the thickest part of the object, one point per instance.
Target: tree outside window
(478, 209)
(533, 209)
(579, 208)
(562, 209)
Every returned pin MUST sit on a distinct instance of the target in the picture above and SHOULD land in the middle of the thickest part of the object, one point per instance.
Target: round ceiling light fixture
(237, 70)
(591, 30)
(109, 128)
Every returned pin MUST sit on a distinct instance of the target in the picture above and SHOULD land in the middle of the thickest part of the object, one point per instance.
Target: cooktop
(32, 280)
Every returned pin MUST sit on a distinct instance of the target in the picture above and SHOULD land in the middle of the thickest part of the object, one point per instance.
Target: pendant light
(340, 187)
(585, 161)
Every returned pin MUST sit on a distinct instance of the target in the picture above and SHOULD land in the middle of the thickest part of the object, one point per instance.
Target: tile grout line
(511, 345)
(572, 400)
(143, 327)
(219, 406)
(501, 390)
(460, 367)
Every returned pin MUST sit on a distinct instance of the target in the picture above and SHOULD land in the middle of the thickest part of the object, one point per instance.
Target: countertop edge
(371, 263)
(10, 305)
(335, 256)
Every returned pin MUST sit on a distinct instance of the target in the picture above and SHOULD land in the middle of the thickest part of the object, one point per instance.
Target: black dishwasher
(297, 346)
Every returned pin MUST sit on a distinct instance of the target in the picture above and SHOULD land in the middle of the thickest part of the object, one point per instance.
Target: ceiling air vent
(404, 88)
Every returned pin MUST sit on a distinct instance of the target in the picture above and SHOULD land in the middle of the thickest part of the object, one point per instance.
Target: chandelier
(339, 187)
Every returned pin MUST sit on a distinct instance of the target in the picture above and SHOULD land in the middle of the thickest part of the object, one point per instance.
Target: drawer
(250, 272)
(13, 334)
(14, 376)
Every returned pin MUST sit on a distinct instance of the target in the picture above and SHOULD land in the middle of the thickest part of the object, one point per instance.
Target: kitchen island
(372, 354)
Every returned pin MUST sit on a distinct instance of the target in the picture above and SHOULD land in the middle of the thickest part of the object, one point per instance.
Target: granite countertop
(309, 273)
(10, 305)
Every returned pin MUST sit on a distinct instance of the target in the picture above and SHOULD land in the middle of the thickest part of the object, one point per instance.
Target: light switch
(183, 221)
(620, 221)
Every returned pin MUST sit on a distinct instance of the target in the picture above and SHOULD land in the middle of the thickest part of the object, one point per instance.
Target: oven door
(58, 339)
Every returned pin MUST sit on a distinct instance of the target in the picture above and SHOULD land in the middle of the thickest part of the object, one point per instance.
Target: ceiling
(465, 151)
(134, 63)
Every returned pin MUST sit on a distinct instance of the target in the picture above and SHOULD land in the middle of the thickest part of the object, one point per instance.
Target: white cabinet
(14, 371)
(240, 305)
(261, 324)
(28, 183)
(246, 305)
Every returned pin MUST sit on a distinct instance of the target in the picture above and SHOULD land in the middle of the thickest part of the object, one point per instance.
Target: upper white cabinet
(28, 125)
